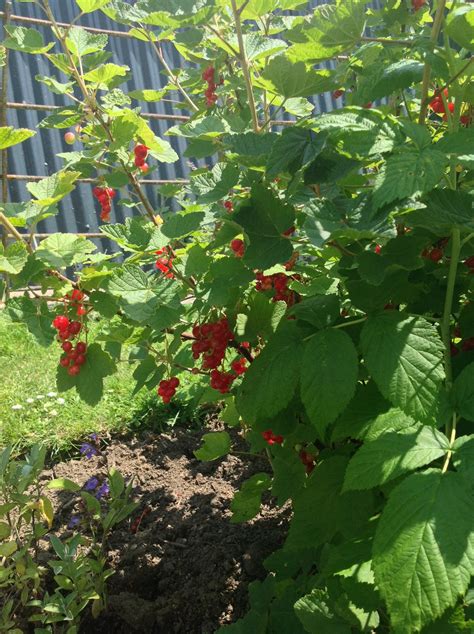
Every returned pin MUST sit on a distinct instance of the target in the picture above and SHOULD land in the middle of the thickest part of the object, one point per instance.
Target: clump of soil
(187, 568)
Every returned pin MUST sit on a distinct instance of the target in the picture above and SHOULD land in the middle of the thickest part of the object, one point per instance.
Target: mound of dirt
(186, 569)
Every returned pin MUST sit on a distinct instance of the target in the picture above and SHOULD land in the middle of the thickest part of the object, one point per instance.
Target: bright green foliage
(317, 279)
(11, 136)
(214, 446)
(422, 558)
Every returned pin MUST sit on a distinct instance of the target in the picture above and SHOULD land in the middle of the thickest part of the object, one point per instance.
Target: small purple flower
(88, 450)
(94, 437)
(74, 521)
(103, 490)
(91, 484)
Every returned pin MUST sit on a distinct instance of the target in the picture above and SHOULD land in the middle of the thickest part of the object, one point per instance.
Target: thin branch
(245, 65)
(222, 38)
(438, 20)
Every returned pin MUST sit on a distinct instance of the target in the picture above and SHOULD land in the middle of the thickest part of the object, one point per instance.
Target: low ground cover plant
(317, 280)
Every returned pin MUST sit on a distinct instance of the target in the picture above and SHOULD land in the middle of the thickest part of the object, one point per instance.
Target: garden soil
(187, 568)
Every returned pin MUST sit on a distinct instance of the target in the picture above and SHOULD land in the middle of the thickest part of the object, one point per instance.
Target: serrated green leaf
(461, 142)
(10, 136)
(332, 30)
(25, 40)
(89, 382)
(13, 258)
(266, 390)
(81, 42)
(216, 184)
(463, 455)
(329, 371)
(445, 210)
(246, 502)
(318, 614)
(56, 86)
(405, 358)
(410, 172)
(107, 75)
(179, 225)
(295, 148)
(215, 445)
(292, 79)
(288, 474)
(86, 6)
(4, 531)
(148, 95)
(359, 131)
(322, 511)
(394, 78)
(422, 559)
(52, 189)
(392, 454)
(319, 310)
(35, 315)
(264, 219)
(60, 250)
(463, 393)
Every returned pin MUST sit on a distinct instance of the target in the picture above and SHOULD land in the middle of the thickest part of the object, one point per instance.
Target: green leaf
(86, 6)
(294, 149)
(62, 118)
(332, 30)
(393, 78)
(288, 474)
(36, 317)
(246, 503)
(266, 389)
(461, 142)
(410, 172)
(463, 393)
(463, 455)
(25, 40)
(179, 225)
(61, 250)
(63, 484)
(107, 75)
(8, 549)
(392, 454)
(292, 79)
(148, 95)
(359, 131)
(460, 25)
(445, 210)
(320, 311)
(52, 189)
(215, 185)
(215, 445)
(322, 511)
(13, 258)
(264, 219)
(10, 136)
(404, 355)
(81, 42)
(4, 531)
(198, 261)
(422, 559)
(318, 614)
(329, 371)
(90, 382)
(56, 86)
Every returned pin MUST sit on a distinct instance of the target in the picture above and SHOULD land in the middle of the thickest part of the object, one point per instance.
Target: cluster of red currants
(437, 104)
(238, 247)
(75, 356)
(167, 388)
(436, 252)
(76, 302)
(211, 341)
(164, 264)
(279, 283)
(308, 460)
(270, 437)
(104, 195)
(141, 152)
(210, 94)
(229, 205)
(417, 4)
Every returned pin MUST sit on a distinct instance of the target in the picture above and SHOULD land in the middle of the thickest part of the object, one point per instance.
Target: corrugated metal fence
(37, 156)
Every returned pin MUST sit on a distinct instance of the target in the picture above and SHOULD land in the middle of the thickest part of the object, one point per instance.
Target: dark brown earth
(187, 568)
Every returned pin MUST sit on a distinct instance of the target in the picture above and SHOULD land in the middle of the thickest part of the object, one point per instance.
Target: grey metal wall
(37, 155)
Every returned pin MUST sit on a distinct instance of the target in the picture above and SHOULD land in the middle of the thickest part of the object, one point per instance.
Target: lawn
(32, 410)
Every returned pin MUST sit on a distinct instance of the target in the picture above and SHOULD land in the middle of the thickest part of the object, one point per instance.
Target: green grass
(32, 411)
